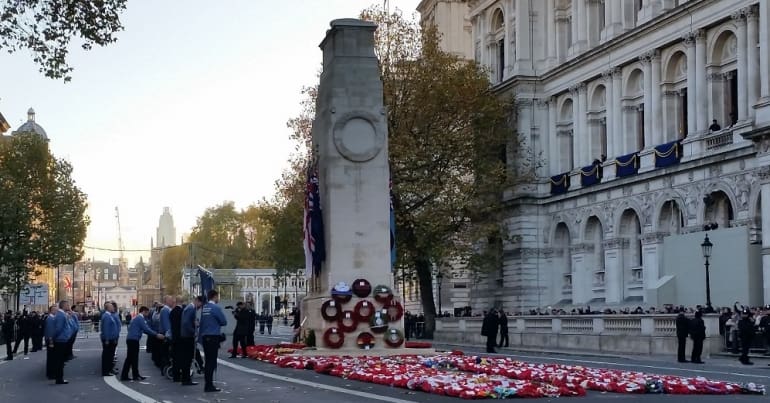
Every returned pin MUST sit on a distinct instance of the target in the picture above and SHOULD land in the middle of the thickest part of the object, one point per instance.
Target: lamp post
(706, 246)
(439, 277)
(296, 284)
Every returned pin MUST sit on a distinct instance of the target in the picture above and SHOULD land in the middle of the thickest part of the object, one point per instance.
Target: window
(460, 285)
(106, 276)
(500, 59)
(683, 113)
(640, 128)
(732, 97)
(115, 276)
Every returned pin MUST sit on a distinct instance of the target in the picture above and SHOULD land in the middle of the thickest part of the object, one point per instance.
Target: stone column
(752, 58)
(701, 105)
(576, 135)
(652, 255)
(544, 137)
(582, 136)
(581, 282)
(582, 25)
(617, 112)
(616, 19)
(574, 26)
(646, 59)
(765, 200)
(613, 271)
(657, 110)
(550, 24)
(609, 112)
(763, 106)
(743, 102)
(692, 92)
(521, 35)
(553, 138)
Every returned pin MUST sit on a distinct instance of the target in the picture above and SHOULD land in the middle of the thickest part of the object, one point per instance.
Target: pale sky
(187, 110)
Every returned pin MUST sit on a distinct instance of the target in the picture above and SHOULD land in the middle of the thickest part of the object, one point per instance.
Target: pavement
(22, 380)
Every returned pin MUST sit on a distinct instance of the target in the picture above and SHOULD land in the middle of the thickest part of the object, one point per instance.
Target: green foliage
(172, 260)
(43, 217)
(46, 27)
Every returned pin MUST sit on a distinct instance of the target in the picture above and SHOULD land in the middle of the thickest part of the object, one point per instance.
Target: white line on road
(114, 383)
(365, 395)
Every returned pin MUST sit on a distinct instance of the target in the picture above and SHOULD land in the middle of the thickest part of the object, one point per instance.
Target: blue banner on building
(627, 165)
(560, 184)
(668, 154)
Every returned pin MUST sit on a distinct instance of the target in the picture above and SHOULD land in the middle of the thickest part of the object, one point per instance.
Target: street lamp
(706, 246)
(439, 277)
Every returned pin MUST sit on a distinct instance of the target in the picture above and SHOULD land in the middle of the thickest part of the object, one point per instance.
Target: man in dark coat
(698, 334)
(9, 334)
(682, 330)
(746, 334)
(24, 332)
(489, 329)
(175, 316)
(241, 329)
(252, 325)
(503, 329)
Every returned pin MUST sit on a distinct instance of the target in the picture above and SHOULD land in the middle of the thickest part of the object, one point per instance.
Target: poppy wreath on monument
(365, 340)
(395, 310)
(379, 322)
(333, 338)
(383, 294)
(334, 306)
(341, 292)
(362, 288)
(347, 321)
(394, 338)
(363, 311)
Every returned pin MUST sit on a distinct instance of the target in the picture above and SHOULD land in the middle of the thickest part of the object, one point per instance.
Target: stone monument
(350, 137)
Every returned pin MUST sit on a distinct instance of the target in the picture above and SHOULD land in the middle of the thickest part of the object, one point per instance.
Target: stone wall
(616, 334)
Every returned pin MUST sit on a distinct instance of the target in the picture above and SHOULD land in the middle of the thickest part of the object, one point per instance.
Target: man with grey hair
(62, 332)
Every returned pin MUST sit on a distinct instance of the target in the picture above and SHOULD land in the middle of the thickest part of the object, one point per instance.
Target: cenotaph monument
(351, 306)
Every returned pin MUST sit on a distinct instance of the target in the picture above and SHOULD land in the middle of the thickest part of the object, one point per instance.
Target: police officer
(110, 331)
(9, 334)
(746, 333)
(212, 320)
(240, 333)
(23, 332)
(698, 334)
(62, 334)
(136, 328)
(186, 342)
(682, 330)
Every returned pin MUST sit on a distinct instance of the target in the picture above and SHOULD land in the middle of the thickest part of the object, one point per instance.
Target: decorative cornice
(671, 93)
(715, 77)
(654, 237)
(647, 56)
(611, 244)
(751, 12)
(739, 16)
(581, 248)
(764, 174)
(630, 108)
(689, 39)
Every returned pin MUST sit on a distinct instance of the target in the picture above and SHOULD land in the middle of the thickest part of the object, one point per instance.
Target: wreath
(362, 288)
(325, 308)
(383, 294)
(347, 316)
(333, 332)
(365, 340)
(379, 322)
(394, 338)
(341, 292)
(396, 306)
(363, 305)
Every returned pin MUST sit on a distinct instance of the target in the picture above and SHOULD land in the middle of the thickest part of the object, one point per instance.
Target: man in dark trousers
(136, 328)
(503, 329)
(296, 324)
(262, 318)
(682, 330)
(698, 334)
(212, 320)
(176, 327)
(240, 333)
(110, 331)
(23, 332)
(252, 326)
(269, 323)
(62, 334)
(489, 329)
(186, 342)
(48, 333)
(37, 331)
(9, 334)
(746, 334)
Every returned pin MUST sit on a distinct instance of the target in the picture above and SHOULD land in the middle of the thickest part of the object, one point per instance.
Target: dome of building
(30, 126)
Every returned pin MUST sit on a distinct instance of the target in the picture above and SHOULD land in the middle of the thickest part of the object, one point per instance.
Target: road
(22, 380)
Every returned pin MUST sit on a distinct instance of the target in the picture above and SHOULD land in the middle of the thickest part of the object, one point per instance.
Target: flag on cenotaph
(314, 244)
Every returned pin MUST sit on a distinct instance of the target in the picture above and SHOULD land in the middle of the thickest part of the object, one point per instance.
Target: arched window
(497, 48)
(633, 112)
(723, 74)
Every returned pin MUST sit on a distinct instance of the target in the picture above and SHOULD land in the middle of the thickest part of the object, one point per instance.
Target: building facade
(647, 121)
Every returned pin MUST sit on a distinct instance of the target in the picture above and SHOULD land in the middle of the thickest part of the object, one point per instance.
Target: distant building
(454, 23)
(123, 296)
(166, 233)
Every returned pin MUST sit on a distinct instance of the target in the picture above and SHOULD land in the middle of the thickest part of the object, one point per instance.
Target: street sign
(34, 294)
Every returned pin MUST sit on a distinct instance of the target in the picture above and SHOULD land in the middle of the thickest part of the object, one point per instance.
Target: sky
(187, 110)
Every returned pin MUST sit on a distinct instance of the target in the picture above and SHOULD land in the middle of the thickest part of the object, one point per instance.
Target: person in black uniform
(24, 332)
(241, 315)
(489, 329)
(746, 334)
(176, 349)
(698, 334)
(9, 327)
(262, 318)
(252, 324)
(682, 331)
(37, 331)
(503, 329)
(269, 323)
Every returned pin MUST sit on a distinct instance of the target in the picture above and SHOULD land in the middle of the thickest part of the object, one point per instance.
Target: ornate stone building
(616, 100)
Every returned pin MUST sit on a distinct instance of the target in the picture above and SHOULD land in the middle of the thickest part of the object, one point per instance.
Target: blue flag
(207, 281)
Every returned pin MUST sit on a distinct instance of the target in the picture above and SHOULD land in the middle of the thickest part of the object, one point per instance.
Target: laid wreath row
(362, 312)
(334, 338)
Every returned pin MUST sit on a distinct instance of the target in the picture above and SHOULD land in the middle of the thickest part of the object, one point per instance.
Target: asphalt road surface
(22, 380)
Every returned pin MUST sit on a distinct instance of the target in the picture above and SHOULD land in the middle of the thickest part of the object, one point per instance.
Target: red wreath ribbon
(331, 304)
(394, 305)
(394, 338)
(361, 305)
(365, 340)
(362, 288)
(383, 294)
(333, 331)
(347, 315)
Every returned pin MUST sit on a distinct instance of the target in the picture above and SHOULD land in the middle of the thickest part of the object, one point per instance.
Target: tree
(172, 260)
(43, 217)
(46, 27)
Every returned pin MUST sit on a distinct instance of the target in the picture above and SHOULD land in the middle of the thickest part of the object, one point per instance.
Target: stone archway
(670, 218)
(631, 267)
(718, 209)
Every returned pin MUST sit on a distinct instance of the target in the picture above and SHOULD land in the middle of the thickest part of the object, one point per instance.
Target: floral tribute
(475, 377)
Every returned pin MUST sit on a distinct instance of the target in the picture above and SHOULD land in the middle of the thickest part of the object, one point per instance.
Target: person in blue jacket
(74, 321)
(110, 331)
(136, 328)
(186, 342)
(212, 320)
(61, 334)
(165, 329)
(48, 333)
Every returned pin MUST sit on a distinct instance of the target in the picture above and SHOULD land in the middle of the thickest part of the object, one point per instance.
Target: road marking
(365, 395)
(114, 383)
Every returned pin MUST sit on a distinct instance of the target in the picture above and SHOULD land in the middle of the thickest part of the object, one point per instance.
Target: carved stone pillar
(743, 103)
(582, 120)
(554, 143)
(701, 106)
(764, 176)
(613, 270)
(581, 274)
(609, 113)
(752, 20)
(551, 32)
(646, 59)
(692, 92)
(657, 110)
(617, 112)
(577, 137)
(652, 259)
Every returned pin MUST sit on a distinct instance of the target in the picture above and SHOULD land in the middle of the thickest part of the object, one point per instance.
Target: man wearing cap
(698, 334)
(746, 334)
